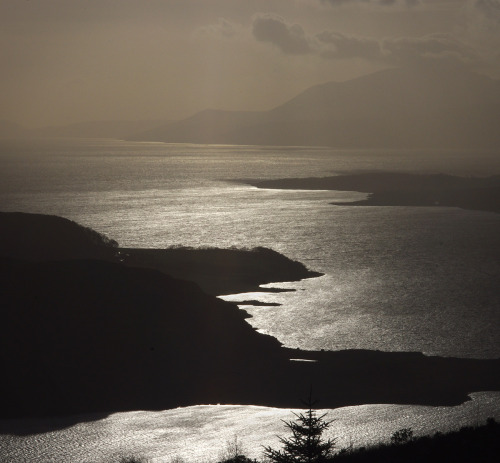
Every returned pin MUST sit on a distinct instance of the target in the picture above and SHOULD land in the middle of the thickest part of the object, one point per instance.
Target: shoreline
(402, 189)
(137, 338)
(254, 425)
(220, 272)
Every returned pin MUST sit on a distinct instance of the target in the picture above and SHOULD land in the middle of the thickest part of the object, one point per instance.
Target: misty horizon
(433, 106)
(439, 67)
(70, 63)
(209, 207)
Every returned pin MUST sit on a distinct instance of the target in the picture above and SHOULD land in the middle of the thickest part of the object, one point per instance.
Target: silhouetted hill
(93, 336)
(469, 444)
(37, 237)
(426, 107)
(80, 336)
(86, 335)
(403, 189)
(49, 237)
(412, 91)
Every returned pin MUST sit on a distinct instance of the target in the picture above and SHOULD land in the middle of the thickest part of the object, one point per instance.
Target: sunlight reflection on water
(200, 433)
(398, 278)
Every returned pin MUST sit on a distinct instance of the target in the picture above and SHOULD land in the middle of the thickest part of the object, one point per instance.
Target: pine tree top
(306, 444)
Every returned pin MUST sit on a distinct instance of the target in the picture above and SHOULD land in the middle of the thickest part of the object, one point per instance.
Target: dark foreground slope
(403, 189)
(88, 335)
(469, 444)
(92, 336)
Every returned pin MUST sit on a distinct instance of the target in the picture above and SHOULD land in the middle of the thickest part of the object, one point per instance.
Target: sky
(66, 61)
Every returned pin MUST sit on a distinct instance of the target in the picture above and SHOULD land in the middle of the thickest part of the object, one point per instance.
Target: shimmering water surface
(202, 433)
(396, 278)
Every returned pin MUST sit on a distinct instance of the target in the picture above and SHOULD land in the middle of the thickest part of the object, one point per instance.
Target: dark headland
(37, 237)
(403, 189)
(81, 332)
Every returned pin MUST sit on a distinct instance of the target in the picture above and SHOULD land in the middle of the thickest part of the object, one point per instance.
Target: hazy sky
(75, 60)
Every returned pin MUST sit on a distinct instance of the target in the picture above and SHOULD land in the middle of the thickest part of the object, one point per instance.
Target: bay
(396, 278)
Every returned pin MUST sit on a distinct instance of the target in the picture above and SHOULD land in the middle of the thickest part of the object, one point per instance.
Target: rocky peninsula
(85, 332)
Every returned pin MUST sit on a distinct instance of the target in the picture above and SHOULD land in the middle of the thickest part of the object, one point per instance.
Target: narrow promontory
(91, 335)
(403, 189)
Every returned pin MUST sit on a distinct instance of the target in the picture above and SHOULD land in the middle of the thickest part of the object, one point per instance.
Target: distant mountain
(97, 129)
(12, 130)
(209, 126)
(90, 129)
(430, 107)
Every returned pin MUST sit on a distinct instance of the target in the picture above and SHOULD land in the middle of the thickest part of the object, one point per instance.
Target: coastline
(255, 426)
(136, 338)
(218, 271)
(403, 189)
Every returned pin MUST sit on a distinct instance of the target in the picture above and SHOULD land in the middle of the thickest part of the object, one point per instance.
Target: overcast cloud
(291, 38)
(385, 3)
(68, 61)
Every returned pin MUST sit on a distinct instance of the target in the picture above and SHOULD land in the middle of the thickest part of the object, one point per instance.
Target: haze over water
(396, 278)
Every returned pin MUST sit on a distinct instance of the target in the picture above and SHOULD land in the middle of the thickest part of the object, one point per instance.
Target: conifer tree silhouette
(306, 444)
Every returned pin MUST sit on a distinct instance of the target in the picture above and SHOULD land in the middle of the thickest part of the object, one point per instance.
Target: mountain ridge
(434, 107)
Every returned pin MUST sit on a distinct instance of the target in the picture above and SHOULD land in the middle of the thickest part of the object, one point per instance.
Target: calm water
(201, 434)
(397, 278)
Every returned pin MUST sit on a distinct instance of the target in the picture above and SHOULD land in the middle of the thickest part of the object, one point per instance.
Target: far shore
(403, 189)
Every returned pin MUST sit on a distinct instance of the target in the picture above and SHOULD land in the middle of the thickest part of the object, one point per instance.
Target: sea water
(396, 278)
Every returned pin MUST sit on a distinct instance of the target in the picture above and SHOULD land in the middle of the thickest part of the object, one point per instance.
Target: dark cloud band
(291, 39)
(373, 2)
